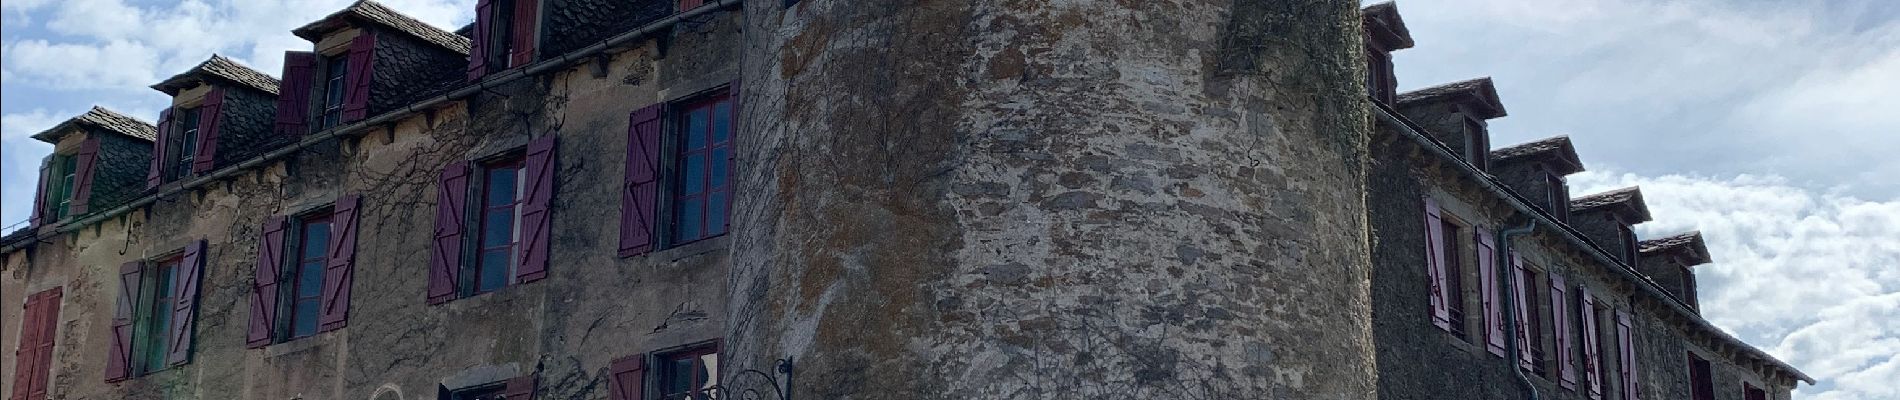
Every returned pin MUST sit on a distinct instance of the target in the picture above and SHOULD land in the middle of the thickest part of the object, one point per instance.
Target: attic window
(184, 145)
(1477, 143)
(1559, 195)
(334, 71)
(501, 33)
(64, 171)
(1629, 242)
(1379, 80)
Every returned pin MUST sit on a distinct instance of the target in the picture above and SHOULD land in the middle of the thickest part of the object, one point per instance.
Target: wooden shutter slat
(1435, 264)
(1586, 311)
(1560, 321)
(640, 192)
(477, 51)
(119, 360)
(155, 175)
(445, 262)
(362, 59)
(519, 388)
(293, 98)
(536, 217)
(264, 281)
(86, 165)
(209, 115)
(185, 304)
(42, 365)
(1488, 283)
(28, 347)
(627, 378)
(1627, 347)
(524, 33)
(39, 195)
(1520, 305)
(339, 264)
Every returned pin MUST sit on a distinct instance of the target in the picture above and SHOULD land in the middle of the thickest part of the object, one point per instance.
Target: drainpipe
(1510, 297)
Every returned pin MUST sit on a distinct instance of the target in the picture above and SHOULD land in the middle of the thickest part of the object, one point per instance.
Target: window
(156, 317)
(690, 374)
(492, 391)
(1688, 285)
(1454, 277)
(500, 235)
(1629, 242)
(64, 171)
(306, 275)
(501, 33)
(184, 144)
(1559, 194)
(1701, 384)
(39, 327)
(1379, 75)
(334, 71)
(1533, 324)
(702, 163)
(1750, 392)
(1477, 144)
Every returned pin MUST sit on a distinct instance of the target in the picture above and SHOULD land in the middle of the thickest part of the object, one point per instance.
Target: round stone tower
(999, 199)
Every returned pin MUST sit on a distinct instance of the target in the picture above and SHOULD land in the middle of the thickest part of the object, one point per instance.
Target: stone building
(884, 199)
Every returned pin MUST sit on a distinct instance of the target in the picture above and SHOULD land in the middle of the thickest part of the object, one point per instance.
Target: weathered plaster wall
(998, 199)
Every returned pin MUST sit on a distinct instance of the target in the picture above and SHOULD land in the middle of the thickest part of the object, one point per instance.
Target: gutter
(1510, 317)
(1537, 216)
(490, 81)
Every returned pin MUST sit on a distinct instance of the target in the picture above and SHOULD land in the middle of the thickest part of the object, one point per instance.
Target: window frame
(664, 368)
(675, 155)
(499, 50)
(1697, 365)
(149, 333)
(1455, 231)
(1558, 189)
(1477, 141)
(478, 211)
(336, 71)
(1627, 234)
(1535, 330)
(486, 391)
(289, 275)
(184, 143)
(65, 167)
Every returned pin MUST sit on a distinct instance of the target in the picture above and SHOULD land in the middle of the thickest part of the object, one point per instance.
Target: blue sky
(1769, 125)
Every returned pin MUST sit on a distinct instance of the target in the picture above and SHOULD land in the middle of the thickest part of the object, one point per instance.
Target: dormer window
(335, 73)
(501, 33)
(504, 37)
(1559, 195)
(183, 145)
(1379, 81)
(1477, 145)
(1629, 241)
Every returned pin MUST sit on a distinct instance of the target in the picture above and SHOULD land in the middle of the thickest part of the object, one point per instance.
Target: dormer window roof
(218, 70)
(1687, 247)
(373, 13)
(1555, 153)
(1384, 27)
(102, 119)
(1626, 204)
(1478, 96)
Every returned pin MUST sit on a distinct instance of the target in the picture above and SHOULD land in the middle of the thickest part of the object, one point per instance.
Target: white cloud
(117, 64)
(1806, 275)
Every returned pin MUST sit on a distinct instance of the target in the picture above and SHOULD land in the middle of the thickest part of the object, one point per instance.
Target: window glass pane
(310, 279)
(696, 128)
(693, 174)
(690, 213)
(721, 158)
(501, 186)
(304, 317)
(493, 270)
(497, 227)
(716, 213)
(680, 379)
(722, 121)
(316, 235)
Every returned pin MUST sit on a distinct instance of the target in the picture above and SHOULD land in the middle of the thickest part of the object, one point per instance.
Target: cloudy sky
(1769, 125)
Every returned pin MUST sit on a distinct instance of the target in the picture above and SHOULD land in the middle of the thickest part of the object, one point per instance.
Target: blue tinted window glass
(310, 279)
(501, 186)
(305, 320)
(716, 213)
(498, 227)
(695, 128)
(689, 217)
(494, 270)
(720, 161)
(315, 237)
(722, 121)
(693, 174)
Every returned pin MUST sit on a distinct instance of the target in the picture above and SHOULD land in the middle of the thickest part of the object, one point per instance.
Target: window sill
(294, 346)
(689, 250)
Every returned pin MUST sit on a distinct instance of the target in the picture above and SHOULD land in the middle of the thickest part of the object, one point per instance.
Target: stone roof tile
(102, 118)
(1391, 30)
(222, 68)
(376, 13)
(1690, 241)
(1479, 91)
(1630, 197)
(1553, 148)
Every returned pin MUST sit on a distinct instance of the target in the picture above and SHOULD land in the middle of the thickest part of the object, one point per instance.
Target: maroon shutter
(42, 366)
(119, 360)
(1592, 362)
(339, 264)
(520, 388)
(524, 32)
(270, 257)
(535, 211)
(39, 195)
(641, 191)
(1435, 264)
(29, 346)
(1627, 348)
(362, 58)
(86, 166)
(185, 304)
(156, 175)
(1521, 305)
(627, 378)
(445, 263)
(1560, 320)
(293, 97)
(208, 116)
(477, 57)
(1488, 283)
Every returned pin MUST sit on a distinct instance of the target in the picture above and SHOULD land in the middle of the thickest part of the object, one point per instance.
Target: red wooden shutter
(86, 166)
(362, 58)
(477, 50)
(339, 264)
(1560, 320)
(1627, 346)
(520, 388)
(208, 116)
(445, 263)
(185, 304)
(690, 4)
(1488, 283)
(1435, 264)
(535, 216)
(293, 97)
(39, 195)
(119, 360)
(270, 257)
(524, 32)
(42, 366)
(1592, 362)
(155, 175)
(627, 378)
(29, 346)
(1521, 306)
(639, 197)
